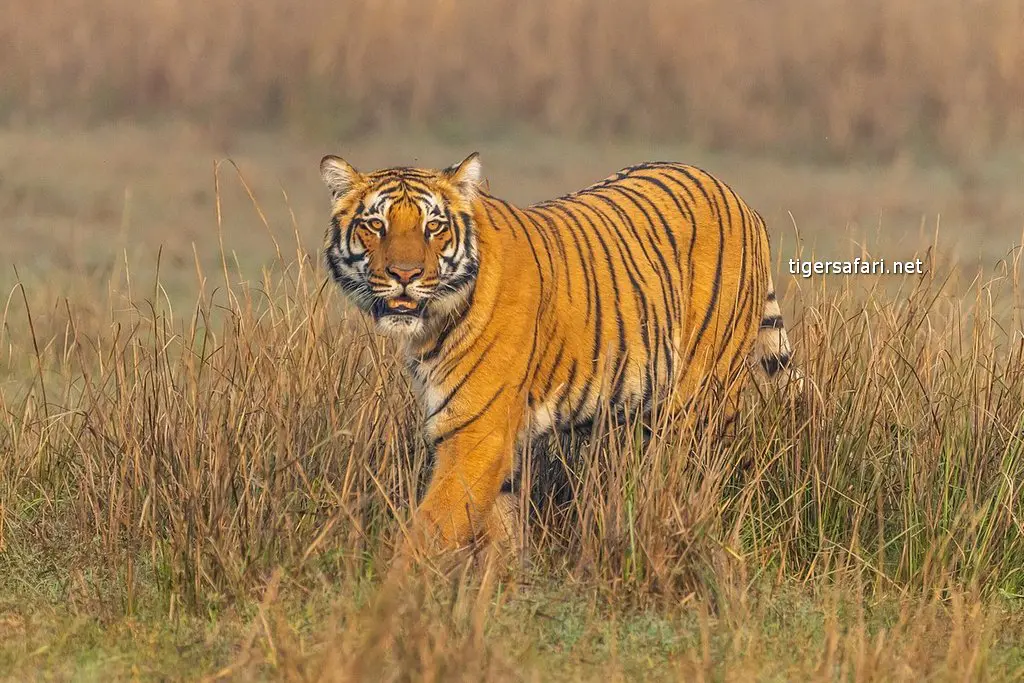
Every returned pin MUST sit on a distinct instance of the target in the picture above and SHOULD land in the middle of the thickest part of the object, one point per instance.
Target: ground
(880, 541)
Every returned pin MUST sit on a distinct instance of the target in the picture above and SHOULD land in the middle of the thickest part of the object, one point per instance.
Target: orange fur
(647, 287)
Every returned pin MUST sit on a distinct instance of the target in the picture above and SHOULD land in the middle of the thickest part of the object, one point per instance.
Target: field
(830, 78)
(207, 454)
(206, 457)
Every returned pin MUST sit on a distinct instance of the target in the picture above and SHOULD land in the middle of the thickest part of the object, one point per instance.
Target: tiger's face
(402, 243)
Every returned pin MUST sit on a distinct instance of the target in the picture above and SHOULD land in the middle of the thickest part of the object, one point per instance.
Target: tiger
(517, 322)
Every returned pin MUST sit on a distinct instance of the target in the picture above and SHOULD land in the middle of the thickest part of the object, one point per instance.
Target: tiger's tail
(772, 355)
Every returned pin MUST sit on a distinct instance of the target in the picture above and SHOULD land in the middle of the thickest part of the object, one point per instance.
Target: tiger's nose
(405, 272)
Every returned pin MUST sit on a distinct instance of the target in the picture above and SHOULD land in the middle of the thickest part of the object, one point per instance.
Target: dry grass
(170, 473)
(838, 76)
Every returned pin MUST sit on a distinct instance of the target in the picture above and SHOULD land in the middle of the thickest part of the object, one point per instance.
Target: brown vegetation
(162, 464)
(836, 76)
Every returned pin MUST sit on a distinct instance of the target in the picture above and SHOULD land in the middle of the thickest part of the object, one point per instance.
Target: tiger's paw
(423, 549)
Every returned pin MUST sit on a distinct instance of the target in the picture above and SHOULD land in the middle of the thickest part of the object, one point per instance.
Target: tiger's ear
(467, 176)
(339, 176)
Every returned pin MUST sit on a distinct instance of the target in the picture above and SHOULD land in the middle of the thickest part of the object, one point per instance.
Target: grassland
(206, 454)
(836, 77)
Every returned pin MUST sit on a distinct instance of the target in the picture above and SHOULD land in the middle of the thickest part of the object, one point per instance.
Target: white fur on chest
(542, 418)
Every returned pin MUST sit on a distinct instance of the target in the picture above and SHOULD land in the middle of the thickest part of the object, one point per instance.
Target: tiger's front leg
(473, 459)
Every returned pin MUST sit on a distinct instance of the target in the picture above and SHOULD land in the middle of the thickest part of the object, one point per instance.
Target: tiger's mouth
(397, 306)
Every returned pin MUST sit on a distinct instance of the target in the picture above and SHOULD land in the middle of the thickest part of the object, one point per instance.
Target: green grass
(790, 632)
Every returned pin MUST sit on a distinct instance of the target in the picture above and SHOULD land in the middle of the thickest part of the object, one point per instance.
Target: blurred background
(854, 126)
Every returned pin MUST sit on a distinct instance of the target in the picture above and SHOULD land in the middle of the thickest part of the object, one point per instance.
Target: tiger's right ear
(466, 175)
(339, 176)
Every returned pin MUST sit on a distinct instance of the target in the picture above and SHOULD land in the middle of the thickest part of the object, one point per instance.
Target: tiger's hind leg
(705, 401)
(542, 466)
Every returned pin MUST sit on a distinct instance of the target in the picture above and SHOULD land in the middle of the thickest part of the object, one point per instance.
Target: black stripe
(744, 289)
(577, 412)
(556, 236)
(662, 285)
(625, 219)
(670, 285)
(584, 262)
(530, 368)
(526, 226)
(465, 377)
(658, 345)
(683, 208)
(460, 238)
(657, 182)
(772, 322)
(416, 187)
(716, 283)
(752, 296)
(670, 363)
(598, 312)
(533, 250)
(563, 399)
(620, 325)
(554, 368)
(673, 304)
(668, 293)
(643, 310)
(448, 329)
(476, 416)
(688, 173)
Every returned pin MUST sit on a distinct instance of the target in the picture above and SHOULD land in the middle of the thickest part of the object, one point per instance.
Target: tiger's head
(402, 243)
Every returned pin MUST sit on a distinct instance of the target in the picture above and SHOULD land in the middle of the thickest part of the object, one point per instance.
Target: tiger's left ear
(467, 176)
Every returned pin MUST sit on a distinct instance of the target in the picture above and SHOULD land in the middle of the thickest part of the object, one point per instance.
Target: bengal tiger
(638, 290)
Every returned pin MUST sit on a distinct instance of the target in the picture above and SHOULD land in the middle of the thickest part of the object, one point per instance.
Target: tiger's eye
(435, 227)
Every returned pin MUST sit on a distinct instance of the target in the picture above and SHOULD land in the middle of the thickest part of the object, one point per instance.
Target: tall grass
(195, 451)
(834, 76)
(193, 461)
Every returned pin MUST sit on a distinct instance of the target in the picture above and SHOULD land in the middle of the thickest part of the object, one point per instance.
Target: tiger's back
(647, 288)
